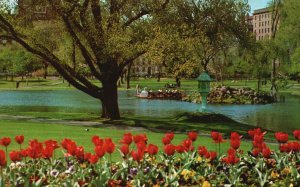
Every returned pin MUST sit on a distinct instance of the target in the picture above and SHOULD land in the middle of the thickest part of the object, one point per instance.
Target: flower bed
(143, 164)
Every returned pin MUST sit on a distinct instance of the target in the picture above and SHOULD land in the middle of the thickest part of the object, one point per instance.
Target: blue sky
(257, 4)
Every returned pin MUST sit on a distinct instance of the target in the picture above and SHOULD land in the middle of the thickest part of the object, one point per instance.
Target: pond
(279, 116)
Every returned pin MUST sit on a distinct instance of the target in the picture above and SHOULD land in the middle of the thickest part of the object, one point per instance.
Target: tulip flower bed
(143, 164)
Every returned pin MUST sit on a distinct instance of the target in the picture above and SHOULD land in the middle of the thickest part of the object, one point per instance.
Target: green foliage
(17, 61)
(288, 36)
(194, 34)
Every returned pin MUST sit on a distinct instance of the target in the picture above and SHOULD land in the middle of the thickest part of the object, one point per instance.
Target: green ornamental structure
(204, 88)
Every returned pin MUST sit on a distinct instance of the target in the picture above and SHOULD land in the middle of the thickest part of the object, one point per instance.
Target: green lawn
(43, 131)
(178, 124)
(186, 84)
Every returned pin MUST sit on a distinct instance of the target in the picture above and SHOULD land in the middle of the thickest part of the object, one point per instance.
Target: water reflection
(279, 116)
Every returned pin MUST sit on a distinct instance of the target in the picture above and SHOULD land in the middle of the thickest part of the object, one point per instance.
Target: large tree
(198, 32)
(288, 37)
(109, 34)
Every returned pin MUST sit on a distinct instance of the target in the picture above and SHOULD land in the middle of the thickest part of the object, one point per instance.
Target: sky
(257, 4)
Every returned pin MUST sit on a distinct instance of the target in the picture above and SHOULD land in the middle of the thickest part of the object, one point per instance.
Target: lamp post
(204, 88)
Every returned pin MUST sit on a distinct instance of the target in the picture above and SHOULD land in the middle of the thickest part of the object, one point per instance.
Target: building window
(255, 25)
(40, 9)
(268, 30)
(262, 30)
(262, 23)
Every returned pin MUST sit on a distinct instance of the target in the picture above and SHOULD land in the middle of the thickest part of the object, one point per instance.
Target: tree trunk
(110, 107)
(122, 78)
(273, 80)
(177, 79)
(45, 71)
(128, 76)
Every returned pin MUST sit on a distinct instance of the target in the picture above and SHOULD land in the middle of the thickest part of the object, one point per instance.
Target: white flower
(54, 173)
(12, 165)
(20, 164)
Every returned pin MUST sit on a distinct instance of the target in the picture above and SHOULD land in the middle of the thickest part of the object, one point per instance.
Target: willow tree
(211, 26)
(109, 34)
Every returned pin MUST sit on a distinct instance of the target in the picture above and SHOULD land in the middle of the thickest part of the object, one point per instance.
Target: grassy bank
(44, 131)
(186, 84)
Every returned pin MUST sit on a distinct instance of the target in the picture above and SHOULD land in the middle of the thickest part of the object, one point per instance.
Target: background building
(143, 67)
(33, 10)
(262, 23)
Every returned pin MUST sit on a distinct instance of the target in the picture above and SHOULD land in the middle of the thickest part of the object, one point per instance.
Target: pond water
(279, 116)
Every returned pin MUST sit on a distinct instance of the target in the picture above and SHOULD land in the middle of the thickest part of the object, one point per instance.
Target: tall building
(262, 23)
(33, 10)
(250, 23)
(143, 67)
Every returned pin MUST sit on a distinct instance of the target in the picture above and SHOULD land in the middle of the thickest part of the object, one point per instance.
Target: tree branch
(83, 50)
(49, 57)
(144, 12)
(128, 61)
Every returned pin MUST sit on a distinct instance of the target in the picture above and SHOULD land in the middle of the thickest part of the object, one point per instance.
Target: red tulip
(97, 141)
(254, 132)
(281, 137)
(47, 153)
(65, 142)
(285, 148)
(193, 135)
(235, 143)
(180, 149)
(140, 138)
(71, 148)
(5, 141)
(266, 152)
(294, 146)
(100, 151)
(127, 139)
(124, 149)
(187, 144)
(152, 149)
(109, 146)
(235, 135)
(141, 146)
(296, 134)
(87, 156)
(15, 156)
(137, 155)
(2, 158)
(202, 150)
(231, 158)
(166, 140)
(213, 155)
(35, 149)
(24, 153)
(93, 159)
(170, 135)
(258, 138)
(255, 152)
(19, 139)
(169, 149)
(79, 152)
(51, 143)
(217, 137)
